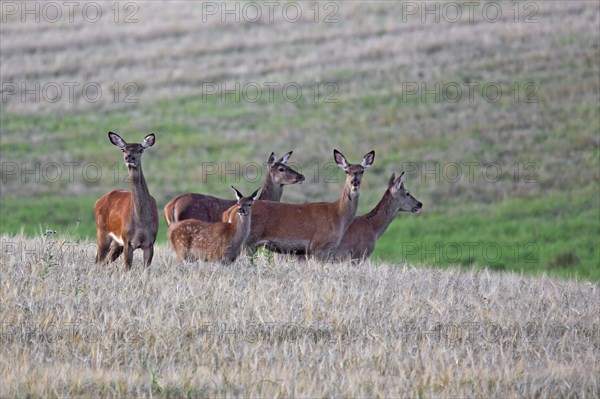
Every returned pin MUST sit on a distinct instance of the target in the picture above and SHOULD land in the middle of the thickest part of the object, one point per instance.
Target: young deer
(314, 228)
(359, 240)
(214, 242)
(127, 220)
(210, 209)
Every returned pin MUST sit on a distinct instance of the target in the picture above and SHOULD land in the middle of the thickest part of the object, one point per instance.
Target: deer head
(132, 153)
(244, 203)
(402, 198)
(354, 172)
(282, 174)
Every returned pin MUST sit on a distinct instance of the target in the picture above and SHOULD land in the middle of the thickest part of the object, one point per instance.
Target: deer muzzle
(417, 208)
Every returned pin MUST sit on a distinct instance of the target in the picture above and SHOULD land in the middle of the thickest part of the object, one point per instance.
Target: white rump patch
(118, 239)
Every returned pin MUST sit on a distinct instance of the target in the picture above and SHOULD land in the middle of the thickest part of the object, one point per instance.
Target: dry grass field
(518, 174)
(287, 329)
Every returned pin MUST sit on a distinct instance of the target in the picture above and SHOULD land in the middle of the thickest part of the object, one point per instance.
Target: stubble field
(289, 329)
(491, 292)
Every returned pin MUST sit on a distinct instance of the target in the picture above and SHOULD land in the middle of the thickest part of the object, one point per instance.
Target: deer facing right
(314, 229)
(214, 242)
(359, 240)
(210, 209)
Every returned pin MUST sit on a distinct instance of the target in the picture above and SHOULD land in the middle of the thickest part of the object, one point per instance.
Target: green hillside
(496, 124)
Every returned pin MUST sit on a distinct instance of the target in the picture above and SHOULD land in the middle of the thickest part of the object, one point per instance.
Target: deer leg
(103, 242)
(115, 251)
(251, 252)
(292, 256)
(324, 252)
(148, 254)
(128, 252)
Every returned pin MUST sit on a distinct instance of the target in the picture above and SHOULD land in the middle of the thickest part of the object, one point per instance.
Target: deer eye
(407, 194)
(281, 169)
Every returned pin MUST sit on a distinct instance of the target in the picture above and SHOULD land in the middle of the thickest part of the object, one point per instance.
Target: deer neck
(347, 205)
(140, 196)
(383, 214)
(271, 191)
(241, 229)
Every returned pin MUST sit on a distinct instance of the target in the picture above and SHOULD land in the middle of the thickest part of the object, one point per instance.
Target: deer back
(210, 208)
(196, 206)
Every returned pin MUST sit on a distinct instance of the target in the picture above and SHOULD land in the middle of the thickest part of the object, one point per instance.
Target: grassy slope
(556, 232)
(267, 329)
(517, 235)
(369, 56)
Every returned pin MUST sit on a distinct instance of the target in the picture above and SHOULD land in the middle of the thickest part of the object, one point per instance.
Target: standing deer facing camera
(314, 229)
(214, 242)
(125, 220)
(210, 209)
(359, 240)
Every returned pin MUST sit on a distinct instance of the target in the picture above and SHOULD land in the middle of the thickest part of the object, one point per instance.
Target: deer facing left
(127, 220)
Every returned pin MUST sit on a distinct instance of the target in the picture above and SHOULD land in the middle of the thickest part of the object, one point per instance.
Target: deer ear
(391, 181)
(148, 141)
(400, 181)
(271, 160)
(254, 194)
(116, 140)
(340, 159)
(284, 159)
(368, 160)
(238, 195)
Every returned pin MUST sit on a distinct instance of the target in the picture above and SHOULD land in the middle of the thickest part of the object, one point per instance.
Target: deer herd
(207, 228)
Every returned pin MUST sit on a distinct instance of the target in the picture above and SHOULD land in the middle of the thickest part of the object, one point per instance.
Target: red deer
(125, 220)
(314, 229)
(359, 240)
(214, 242)
(210, 209)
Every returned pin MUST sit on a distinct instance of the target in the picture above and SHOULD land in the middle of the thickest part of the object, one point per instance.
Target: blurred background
(491, 108)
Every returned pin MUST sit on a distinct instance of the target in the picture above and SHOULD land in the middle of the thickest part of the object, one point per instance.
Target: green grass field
(516, 223)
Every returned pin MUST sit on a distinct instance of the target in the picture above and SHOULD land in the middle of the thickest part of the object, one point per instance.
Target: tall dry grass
(267, 328)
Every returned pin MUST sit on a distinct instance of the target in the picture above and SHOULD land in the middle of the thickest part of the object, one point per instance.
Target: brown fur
(130, 217)
(315, 228)
(359, 240)
(213, 242)
(210, 209)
